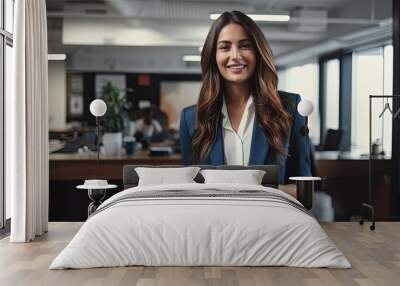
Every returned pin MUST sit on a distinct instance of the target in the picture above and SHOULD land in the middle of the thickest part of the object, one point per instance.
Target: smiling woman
(240, 117)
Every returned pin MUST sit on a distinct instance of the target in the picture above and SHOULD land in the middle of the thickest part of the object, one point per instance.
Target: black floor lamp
(96, 188)
(305, 184)
(98, 108)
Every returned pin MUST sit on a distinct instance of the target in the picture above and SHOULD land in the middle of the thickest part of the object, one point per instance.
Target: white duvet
(200, 231)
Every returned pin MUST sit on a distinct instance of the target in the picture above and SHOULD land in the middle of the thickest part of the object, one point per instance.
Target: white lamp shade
(98, 107)
(305, 107)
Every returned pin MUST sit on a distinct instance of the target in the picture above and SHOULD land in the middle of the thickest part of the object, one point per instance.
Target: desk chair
(332, 140)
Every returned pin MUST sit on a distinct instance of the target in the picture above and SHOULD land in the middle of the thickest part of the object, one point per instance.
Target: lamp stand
(304, 131)
(305, 189)
(98, 139)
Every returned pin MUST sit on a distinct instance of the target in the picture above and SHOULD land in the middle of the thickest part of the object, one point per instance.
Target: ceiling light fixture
(56, 57)
(191, 58)
(261, 17)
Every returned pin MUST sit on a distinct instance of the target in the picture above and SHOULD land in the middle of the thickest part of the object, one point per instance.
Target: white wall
(57, 95)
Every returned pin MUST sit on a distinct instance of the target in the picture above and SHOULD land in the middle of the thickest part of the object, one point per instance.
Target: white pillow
(162, 176)
(250, 177)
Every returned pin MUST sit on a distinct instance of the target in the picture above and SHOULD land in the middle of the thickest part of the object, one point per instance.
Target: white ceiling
(183, 24)
(58, 5)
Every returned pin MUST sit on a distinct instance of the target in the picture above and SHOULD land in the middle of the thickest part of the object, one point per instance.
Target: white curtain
(27, 124)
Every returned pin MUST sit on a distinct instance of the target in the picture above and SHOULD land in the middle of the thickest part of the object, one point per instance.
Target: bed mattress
(201, 225)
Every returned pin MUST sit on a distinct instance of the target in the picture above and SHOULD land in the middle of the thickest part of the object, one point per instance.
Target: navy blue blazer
(296, 164)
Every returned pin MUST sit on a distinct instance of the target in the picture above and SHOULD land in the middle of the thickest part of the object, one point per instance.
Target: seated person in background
(151, 127)
(147, 124)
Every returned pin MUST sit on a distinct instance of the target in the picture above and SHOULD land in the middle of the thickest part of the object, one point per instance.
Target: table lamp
(98, 108)
(305, 108)
(305, 185)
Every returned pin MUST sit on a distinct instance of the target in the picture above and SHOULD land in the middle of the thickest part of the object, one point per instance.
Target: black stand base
(367, 212)
(96, 196)
(305, 192)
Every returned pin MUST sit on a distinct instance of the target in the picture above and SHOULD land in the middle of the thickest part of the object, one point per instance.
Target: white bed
(250, 225)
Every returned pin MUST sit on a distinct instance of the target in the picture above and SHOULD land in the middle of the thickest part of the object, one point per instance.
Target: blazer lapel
(259, 146)
(217, 152)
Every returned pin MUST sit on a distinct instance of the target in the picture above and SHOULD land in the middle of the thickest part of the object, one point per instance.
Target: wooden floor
(375, 257)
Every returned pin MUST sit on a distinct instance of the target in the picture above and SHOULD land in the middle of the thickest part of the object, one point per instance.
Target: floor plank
(374, 255)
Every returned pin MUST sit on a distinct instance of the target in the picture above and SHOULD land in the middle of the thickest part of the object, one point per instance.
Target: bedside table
(305, 189)
(96, 194)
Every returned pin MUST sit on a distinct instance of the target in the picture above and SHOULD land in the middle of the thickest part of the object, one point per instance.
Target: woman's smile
(236, 68)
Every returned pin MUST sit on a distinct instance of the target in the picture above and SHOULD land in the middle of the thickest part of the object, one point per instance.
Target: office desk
(348, 164)
(66, 167)
(347, 176)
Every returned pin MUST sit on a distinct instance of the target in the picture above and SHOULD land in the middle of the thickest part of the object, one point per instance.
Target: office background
(334, 53)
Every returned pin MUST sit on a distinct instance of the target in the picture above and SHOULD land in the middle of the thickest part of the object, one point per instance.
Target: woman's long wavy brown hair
(270, 111)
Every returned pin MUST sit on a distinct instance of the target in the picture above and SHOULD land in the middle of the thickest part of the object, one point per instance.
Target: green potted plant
(115, 118)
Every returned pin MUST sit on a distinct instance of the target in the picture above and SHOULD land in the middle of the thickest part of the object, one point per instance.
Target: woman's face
(235, 56)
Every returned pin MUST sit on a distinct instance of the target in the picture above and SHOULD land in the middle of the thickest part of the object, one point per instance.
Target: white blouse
(237, 144)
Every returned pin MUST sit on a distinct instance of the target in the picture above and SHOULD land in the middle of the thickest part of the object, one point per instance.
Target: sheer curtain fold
(27, 154)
